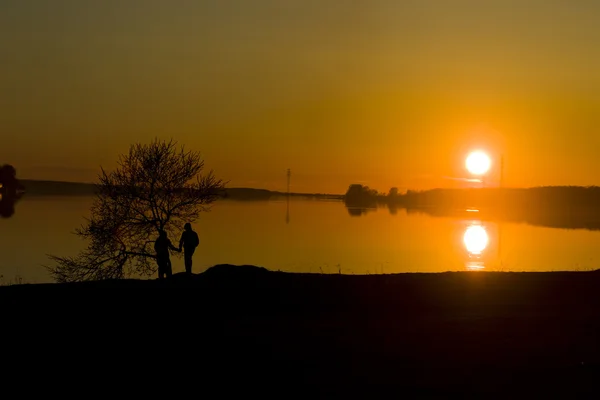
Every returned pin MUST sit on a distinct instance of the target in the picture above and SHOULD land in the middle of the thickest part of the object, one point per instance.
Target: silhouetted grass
(18, 280)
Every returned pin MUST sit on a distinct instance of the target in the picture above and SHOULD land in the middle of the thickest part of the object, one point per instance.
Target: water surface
(312, 236)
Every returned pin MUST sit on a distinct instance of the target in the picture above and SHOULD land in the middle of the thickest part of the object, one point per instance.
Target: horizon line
(338, 194)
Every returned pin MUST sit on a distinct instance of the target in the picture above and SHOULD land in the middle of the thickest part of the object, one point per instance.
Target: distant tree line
(556, 206)
(363, 196)
(553, 197)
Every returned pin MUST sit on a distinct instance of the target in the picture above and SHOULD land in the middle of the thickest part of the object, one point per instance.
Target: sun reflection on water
(476, 240)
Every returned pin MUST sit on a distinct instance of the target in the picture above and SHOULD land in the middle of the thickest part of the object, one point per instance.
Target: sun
(478, 163)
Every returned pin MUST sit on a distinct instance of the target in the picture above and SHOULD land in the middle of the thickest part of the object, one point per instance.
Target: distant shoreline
(423, 199)
(60, 188)
(571, 207)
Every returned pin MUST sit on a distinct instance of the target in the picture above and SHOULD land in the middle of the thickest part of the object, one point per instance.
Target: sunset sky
(381, 92)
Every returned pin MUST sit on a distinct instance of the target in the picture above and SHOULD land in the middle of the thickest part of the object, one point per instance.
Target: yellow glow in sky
(383, 93)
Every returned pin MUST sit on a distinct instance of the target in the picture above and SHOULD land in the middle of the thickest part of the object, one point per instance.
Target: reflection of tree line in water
(10, 190)
(571, 207)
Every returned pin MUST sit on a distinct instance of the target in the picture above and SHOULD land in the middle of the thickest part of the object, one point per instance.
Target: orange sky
(386, 93)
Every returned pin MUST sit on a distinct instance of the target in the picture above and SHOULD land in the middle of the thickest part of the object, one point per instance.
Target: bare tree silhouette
(156, 186)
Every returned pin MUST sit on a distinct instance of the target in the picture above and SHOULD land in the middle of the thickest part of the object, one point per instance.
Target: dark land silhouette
(243, 329)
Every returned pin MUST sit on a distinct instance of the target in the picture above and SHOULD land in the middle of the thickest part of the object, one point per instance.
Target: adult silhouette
(189, 241)
(162, 245)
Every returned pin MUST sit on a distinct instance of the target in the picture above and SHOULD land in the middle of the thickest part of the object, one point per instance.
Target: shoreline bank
(456, 333)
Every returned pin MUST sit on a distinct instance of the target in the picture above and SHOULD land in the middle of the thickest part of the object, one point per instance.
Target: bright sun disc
(478, 163)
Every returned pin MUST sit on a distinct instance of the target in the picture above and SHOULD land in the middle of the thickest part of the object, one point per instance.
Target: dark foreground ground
(245, 330)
